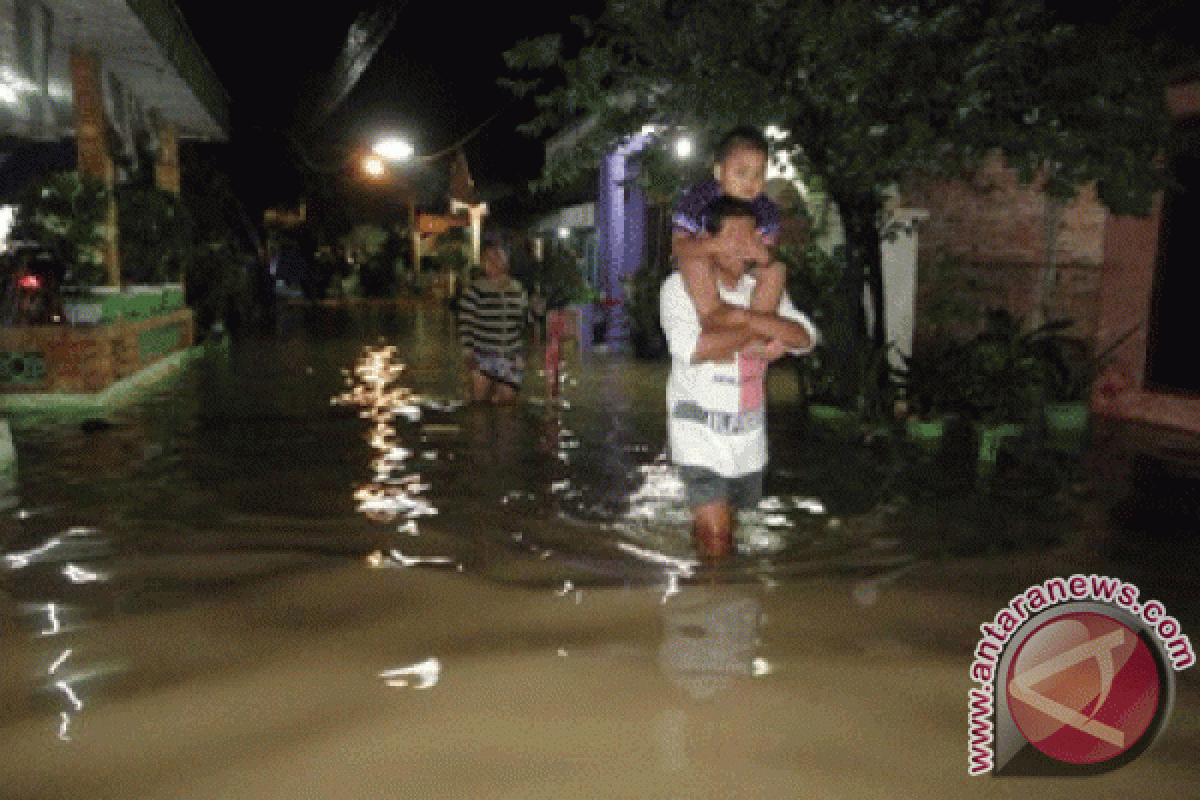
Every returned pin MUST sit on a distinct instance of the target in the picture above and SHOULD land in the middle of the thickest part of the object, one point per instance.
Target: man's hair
(741, 136)
(723, 208)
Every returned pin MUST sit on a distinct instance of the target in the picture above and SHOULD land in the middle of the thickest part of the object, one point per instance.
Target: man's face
(743, 173)
(735, 231)
(495, 265)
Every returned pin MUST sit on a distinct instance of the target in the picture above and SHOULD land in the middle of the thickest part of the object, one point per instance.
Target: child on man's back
(739, 171)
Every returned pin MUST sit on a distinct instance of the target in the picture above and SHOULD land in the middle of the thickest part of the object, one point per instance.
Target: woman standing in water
(492, 316)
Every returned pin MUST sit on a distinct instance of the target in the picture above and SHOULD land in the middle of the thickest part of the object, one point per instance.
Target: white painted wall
(900, 278)
(899, 269)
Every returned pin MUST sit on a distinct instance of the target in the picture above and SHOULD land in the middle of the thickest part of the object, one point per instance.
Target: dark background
(434, 80)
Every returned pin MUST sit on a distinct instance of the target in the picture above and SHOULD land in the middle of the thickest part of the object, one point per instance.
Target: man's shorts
(703, 487)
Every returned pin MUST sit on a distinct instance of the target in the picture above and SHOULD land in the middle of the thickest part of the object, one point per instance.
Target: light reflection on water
(582, 470)
(310, 439)
(313, 441)
(52, 579)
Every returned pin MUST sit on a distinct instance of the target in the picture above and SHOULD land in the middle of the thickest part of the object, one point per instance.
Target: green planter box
(991, 437)
(112, 302)
(836, 420)
(925, 434)
(143, 301)
(1067, 427)
(172, 297)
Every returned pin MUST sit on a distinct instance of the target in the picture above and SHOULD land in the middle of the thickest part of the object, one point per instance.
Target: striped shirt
(492, 319)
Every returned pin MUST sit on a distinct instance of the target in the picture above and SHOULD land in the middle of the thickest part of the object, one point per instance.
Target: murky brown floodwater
(299, 570)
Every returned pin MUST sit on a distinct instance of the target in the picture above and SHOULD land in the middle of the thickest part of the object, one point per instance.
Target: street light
(684, 147)
(393, 148)
(374, 166)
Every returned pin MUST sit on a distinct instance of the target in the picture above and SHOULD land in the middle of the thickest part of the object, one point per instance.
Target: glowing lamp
(373, 166)
(393, 149)
(684, 148)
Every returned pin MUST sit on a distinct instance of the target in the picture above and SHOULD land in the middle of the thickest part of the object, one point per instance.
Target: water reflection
(395, 489)
(709, 637)
(422, 675)
(53, 578)
(327, 444)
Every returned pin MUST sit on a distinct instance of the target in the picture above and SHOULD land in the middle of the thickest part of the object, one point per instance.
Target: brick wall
(999, 234)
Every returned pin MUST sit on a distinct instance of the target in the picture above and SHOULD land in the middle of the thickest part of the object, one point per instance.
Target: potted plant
(928, 389)
(826, 376)
(67, 213)
(156, 243)
(1007, 380)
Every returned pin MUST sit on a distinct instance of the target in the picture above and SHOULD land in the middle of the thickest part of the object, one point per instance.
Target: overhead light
(684, 147)
(393, 149)
(373, 166)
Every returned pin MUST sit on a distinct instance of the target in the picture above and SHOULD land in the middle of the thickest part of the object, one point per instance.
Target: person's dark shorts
(703, 487)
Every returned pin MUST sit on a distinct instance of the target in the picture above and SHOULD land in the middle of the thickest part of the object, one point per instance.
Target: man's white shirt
(715, 410)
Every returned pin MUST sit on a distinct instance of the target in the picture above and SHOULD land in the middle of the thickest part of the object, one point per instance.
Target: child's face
(743, 173)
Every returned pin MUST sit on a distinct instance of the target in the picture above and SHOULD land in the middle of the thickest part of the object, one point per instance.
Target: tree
(868, 93)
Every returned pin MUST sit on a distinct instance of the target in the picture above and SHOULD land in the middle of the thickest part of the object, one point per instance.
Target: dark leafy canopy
(870, 92)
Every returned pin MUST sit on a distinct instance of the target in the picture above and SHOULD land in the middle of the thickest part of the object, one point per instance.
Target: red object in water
(29, 281)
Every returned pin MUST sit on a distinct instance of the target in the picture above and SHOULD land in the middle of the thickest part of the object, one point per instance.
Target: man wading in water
(716, 423)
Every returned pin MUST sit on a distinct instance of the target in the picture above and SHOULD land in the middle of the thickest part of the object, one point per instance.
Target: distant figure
(492, 316)
(265, 267)
(32, 288)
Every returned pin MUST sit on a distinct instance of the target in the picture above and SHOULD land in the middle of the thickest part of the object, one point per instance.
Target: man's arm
(772, 327)
(722, 344)
(745, 326)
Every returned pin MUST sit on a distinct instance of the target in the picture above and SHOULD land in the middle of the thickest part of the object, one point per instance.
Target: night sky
(434, 80)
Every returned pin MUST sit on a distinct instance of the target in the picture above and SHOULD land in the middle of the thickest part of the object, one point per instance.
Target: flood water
(302, 567)
(346, 432)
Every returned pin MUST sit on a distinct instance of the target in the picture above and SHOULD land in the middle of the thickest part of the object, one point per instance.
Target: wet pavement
(302, 568)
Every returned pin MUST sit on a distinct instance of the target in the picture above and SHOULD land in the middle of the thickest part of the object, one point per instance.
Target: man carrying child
(716, 423)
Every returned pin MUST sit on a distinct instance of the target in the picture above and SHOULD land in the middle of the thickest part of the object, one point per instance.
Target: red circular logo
(1083, 688)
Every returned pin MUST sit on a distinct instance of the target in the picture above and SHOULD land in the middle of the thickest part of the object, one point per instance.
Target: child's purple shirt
(692, 208)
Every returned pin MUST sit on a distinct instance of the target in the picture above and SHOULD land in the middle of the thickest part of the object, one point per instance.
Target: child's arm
(701, 283)
(769, 287)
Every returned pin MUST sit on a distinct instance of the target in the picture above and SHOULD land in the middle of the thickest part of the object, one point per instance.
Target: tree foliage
(68, 213)
(869, 93)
